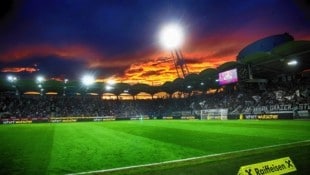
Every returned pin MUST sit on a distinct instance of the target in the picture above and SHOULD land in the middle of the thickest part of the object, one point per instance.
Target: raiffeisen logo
(273, 167)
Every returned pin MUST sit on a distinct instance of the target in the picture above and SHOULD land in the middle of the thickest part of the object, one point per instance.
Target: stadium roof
(270, 56)
(264, 45)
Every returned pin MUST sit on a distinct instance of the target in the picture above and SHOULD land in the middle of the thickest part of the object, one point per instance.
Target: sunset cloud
(118, 40)
(19, 69)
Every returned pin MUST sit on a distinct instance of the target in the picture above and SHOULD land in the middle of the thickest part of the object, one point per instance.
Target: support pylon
(179, 63)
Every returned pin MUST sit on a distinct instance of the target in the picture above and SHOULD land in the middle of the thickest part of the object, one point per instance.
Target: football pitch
(221, 146)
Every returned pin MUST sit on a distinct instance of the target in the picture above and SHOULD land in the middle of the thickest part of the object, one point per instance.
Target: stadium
(161, 87)
(218, 121)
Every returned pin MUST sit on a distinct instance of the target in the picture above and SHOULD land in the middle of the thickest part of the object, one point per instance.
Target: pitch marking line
(187, 159)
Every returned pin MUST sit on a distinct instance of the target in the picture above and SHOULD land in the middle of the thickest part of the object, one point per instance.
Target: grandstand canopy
(270, 56)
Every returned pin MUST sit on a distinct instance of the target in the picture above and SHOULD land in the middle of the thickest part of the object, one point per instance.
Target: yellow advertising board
(273, 167)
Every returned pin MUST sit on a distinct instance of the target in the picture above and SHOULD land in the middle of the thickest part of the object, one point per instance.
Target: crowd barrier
(14, 120)
(272, 116)
(269, 116)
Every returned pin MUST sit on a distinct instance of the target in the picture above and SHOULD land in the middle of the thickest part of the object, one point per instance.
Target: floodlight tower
(172, 37)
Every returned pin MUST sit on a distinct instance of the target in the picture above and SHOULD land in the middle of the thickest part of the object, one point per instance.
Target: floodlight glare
(11, 78)
(171, 36)
(292, 63)
(40, 79)
(109, 88)
(88, 80)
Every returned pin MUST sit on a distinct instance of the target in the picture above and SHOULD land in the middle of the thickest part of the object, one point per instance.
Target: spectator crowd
(238, 101)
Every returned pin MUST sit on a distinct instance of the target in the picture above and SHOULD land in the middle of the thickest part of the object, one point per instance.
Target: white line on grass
(187, 159)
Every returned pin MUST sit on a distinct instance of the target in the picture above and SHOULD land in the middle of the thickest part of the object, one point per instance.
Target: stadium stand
(276, 97)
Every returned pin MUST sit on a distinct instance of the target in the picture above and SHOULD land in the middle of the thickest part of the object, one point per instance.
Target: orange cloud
(160, 68)
(19, 69)
(199, 55)
(206, 52)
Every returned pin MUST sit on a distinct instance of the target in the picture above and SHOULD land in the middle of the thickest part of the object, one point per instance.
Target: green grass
(76, 147)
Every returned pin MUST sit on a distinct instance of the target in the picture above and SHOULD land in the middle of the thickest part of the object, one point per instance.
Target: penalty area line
(188, 159)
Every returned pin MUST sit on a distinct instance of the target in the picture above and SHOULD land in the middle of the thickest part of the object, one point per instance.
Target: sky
(119, 39)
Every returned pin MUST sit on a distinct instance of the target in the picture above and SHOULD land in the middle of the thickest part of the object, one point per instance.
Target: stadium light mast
(171, 38)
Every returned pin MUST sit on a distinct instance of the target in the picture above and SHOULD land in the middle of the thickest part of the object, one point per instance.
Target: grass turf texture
(77, 147)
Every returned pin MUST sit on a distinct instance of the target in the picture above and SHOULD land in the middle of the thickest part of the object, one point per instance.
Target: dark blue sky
(68, 37)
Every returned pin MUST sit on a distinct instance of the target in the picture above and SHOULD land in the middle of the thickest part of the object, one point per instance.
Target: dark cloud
(134, 71)
(193, 61)
(224, 52)
(50, 66)
(151, 73)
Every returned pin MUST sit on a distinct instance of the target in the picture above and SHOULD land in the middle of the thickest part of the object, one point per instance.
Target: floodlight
(66, 80)
(109, 87)
(171, 36)
(88, 80)
(40, 79)
(11, 78)
(292, 63)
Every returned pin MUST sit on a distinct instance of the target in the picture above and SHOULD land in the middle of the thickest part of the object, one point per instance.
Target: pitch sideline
(187, 159)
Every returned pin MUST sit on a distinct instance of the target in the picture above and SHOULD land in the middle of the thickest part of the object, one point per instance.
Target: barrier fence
(211, 114)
